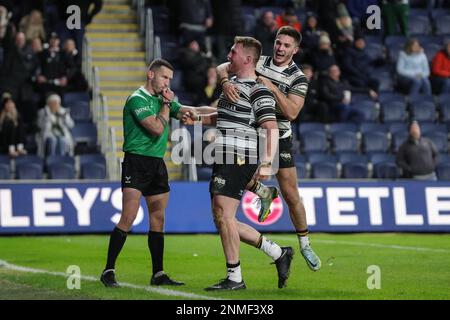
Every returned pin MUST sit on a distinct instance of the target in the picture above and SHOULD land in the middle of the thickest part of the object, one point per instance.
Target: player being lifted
(289, 86)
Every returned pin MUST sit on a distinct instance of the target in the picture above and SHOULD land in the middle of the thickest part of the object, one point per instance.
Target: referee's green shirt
(140, 105)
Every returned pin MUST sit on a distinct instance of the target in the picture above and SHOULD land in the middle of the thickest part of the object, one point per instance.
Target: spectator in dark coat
(324, 57)
(266, 30)
(195, 19)
(72, 58)
(12, 134)
(357, 68)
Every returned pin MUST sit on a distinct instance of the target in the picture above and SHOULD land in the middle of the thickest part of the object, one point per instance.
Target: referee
(145, 120)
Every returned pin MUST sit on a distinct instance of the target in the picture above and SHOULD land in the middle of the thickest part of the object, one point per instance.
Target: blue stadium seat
(395, 127)
(61, 171)
(276, 10)
(430, 50)
(169, 50)
(443, 171)
(373, 39)
(397, 139)
(390, 41)
(418, 25)
(417, 98)
(368, 108)
(443, 25)
(439, 12)
(204, 173)
(375, 51)
(345, 157)
(249, 24)
(85, 133)
(29, 171)
(80, 111)
(177, 81)
(4, 159)
(375, 142)
(321, 157)
(342, 126)
(5, 171)
(314, 141)
(55, 159)
(427, 39)
(161, 22)
(386, 170)
(345, 141)
(445, 112)
(29, 158)
(393, 111)
(311, 126)
(324, 170)
(443, 158)
(71, 97)
(426, 127)
(373, 127)
(93, 171)
(376, 158)
(390, 96)
(355, 170)
(439, 139)
(386, 82)
(92, 158)
(302, 171)
(299, 158)
(423, 111)
(357, 97)
(443, 98)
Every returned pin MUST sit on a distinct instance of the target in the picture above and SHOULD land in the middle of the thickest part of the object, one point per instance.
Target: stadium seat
(395, 127)
(356, 97)
(30, 158)
(302, 171)
(355, 170)
(29, 171)
(426, 127)
(204, 173)
(418, 25)
(386, 96)
(373, 127)
(390, 41)
(373, 39)
(85, 133)
(54, 159)
(443, 171)
(443, 98)
(324, 170)
(61, 171)
(177, 81)
(276, 10)
(376, 158)
(375, 142)
(321, 157)
(311, 126)
(393, 111)
(375, 51)
(345, 157)
(430, 50)
(5, 171)
(4, 159)
(299, 158)
(398, 138)
(386, 170)
(345, 141)
(80, 111)
(342, 126)
(92, 158)
(417, 98)
(249, 24)
(439, 12)
(445, 112)
(368, 108)
(386, 82)
(314, 141)
(169, 50)
(443, 158)
(93, 171)
(161, 22)
(423, 111)
(427, 39)
(439, 139)
(443, 25)
(72, 97)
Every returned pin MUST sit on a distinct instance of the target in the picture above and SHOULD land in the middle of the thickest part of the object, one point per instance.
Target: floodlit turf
(413, 266)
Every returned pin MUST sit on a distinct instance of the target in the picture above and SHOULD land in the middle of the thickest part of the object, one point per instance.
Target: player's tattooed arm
(290, 105)
(229, 89)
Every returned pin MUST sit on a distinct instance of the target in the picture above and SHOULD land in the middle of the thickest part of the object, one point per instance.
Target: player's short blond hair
(251, 44)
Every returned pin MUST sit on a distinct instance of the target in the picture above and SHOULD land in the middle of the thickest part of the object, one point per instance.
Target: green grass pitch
(412, 266)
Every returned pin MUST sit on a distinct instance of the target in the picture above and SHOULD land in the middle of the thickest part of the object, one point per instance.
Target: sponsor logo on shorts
(251, 209)
(219, 182)
(127, 179)
(286, 156)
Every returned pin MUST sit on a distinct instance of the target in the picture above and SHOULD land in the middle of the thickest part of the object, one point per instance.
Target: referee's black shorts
(230, 180)
(146, 174)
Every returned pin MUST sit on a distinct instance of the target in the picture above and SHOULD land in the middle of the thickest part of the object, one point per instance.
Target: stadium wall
(332, 206)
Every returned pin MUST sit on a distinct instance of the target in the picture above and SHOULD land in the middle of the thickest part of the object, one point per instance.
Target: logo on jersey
(250, 207)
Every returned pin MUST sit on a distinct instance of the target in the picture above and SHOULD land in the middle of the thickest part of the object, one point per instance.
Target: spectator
(195, 20)
(417, 156)
(395, 12)
(440, 69)
(76, 80)
(343, 33)
(413, 69)
(324, 57)
(311, 34)
(357, 68)
(52, 76)
(313, 110)
(288, 18)
(12, 134)
(337, 94)
(32, 26)
(36, 46)
(194, 64)
(212, 90)
(266, 31)
(7, 29)
(54, 123)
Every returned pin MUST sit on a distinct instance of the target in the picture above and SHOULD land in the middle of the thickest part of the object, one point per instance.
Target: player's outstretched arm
(290, 105)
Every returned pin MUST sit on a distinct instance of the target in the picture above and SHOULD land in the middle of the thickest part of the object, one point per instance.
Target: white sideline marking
(162, 291)
(375, 245)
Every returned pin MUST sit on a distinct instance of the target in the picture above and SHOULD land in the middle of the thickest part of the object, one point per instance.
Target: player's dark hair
(158, 63)
(252, 44)
(291, 32)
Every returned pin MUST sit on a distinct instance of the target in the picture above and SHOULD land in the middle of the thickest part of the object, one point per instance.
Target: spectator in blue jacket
(413, 69)
(357, 68)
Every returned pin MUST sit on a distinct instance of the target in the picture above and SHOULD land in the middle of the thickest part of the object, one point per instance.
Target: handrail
(149, 35)
(96, 107)
(113, 161)
(157, 48)
(104, 123)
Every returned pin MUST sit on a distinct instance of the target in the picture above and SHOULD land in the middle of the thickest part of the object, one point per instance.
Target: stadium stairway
(118, 52)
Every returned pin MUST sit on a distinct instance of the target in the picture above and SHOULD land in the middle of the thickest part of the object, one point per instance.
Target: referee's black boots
(108, 278)
(162, 279)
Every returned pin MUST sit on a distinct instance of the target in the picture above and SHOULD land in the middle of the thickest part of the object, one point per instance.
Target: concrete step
(129, 65)
(116, 8)
(112, 46)
(110, 27)
(123, 85)
(127, 2)
(111, 36)
(117, 56)
(133, 75)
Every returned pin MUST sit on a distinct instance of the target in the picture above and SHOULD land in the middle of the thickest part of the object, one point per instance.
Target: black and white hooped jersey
(289, 79)
(238, 122)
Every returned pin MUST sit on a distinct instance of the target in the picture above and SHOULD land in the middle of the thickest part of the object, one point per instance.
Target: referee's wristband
(163, 121)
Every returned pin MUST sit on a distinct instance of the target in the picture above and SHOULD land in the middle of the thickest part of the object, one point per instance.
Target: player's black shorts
(230, 180)
(286, 155)
(146, 174)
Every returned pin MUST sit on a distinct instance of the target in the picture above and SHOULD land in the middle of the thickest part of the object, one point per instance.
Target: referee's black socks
(156, 246)
(116, 242)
